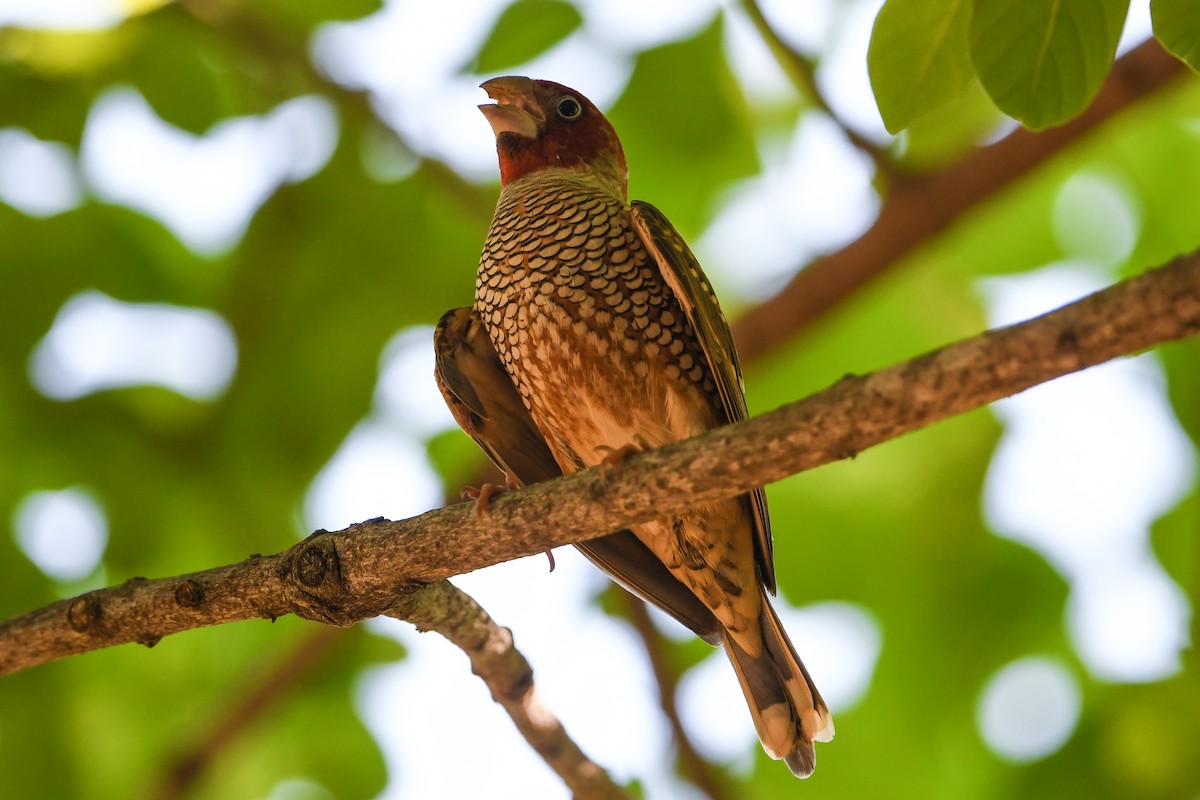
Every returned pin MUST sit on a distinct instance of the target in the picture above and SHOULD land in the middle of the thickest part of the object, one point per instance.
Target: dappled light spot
(839, 643)
(411, 57)
(657, 23)
(36, 177)
(842, 76)
(67, 15)
(204, 188)
(1094, 218)
(406, 393)
(1136, 633)
(1085, 466)
(1029, 709)
(385, 158)
(713, 711)
(63, 532)
(434, 684)
(758, 71)
(589, 668)
(377, 472)
(299, 789)
(99, 343)
(805, 26)
(814, 195)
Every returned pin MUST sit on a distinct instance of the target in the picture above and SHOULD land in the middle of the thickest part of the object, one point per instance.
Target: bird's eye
(569, 108)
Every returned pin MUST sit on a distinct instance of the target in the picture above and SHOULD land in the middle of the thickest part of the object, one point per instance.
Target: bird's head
(543, 125)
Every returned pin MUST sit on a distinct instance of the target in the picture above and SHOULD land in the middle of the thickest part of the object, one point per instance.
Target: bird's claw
(482, 496)
(615, 456)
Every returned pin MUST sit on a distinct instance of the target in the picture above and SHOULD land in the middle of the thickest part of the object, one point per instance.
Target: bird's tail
(788, 711)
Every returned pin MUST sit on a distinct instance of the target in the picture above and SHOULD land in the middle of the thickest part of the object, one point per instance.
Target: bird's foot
(550, 555)
(615, 456)
(482, 496)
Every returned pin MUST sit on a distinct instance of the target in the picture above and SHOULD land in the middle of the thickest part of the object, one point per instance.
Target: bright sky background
(1063, 480)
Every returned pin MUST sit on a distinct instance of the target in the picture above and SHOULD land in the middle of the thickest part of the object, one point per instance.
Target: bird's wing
(485, 403)
(687, 281)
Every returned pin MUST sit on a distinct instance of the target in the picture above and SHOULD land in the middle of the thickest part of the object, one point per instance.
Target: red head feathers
(544, 125)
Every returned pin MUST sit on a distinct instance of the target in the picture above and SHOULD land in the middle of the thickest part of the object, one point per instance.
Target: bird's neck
(608, 183)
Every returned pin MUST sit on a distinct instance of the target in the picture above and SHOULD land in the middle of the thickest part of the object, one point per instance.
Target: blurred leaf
(36, 703)
(190, 75)
(48, 79)
(1176, 541)
(918, 59)
(311, 261)
(1043, 62)
(1177, 26)
(951, 131)
(50, 110)
(60, 55)
(525, 30)
(299, 18)
(683, 108)
(1181, 361)
(1176, 535)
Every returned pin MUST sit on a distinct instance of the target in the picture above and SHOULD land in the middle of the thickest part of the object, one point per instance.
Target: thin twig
(917, 209)
(802, 71)
(186, 771)
(696, 767)
(451, 612)
(365, 570)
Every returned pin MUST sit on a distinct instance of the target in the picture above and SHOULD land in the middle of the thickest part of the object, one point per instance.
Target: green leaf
(524, 31)
(1177, 26)
(176, 71)
(685, 127)
(299, 17)
(918, 58)
(948, 132)
(1042, 62)
(1174, 539)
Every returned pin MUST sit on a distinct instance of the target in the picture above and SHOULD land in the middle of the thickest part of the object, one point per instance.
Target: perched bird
(485, 403)
(612, 340)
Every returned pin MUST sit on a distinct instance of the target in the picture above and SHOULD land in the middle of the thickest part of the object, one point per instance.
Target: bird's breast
(579, 314)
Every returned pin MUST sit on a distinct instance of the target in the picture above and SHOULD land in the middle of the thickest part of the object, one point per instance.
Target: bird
(485, 404)
(594, 333)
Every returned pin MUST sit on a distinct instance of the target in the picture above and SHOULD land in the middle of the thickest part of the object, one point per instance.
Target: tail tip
(802, 759)
(818, 723)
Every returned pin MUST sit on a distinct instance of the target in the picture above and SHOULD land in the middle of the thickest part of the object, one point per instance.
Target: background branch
(802, 71)
(365, 570)
(451, 612)
(918, 208)
(188, 768)
(694, 766)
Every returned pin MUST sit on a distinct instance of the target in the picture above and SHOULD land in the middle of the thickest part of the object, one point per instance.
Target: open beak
(515, 110)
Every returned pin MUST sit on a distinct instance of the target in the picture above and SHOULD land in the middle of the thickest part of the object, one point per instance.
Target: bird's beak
(515, 110)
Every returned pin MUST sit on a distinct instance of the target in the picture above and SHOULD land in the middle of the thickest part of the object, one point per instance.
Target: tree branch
(451, 612)
(367, 569)
(186, 770)
(802, 71)
(695, 767)
(918, 208)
